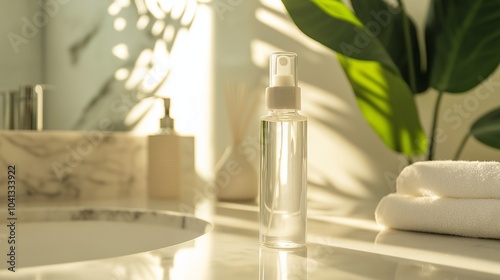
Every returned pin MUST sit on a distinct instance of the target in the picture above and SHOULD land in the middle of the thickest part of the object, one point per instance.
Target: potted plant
(378, 48)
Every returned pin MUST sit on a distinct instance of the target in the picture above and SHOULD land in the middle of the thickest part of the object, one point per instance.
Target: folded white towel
(459, 179)
(465, 217)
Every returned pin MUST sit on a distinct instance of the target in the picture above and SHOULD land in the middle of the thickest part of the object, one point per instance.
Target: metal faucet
(23, 109)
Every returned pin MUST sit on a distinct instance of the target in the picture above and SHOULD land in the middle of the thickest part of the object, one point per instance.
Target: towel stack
(448, 197)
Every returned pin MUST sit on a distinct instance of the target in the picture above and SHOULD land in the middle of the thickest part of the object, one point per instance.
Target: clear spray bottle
(283, 159)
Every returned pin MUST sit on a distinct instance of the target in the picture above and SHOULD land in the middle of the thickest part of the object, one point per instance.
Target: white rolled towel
(464, 217)
(458, 179)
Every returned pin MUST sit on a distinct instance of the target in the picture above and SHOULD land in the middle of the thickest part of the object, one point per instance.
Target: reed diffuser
(238, 177)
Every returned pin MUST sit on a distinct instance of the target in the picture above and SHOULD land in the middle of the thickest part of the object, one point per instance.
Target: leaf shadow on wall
(122, 99)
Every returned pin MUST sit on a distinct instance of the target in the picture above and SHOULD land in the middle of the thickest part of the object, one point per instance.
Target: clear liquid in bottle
(283, 207)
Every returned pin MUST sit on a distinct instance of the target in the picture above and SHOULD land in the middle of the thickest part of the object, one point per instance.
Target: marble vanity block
(73, 164)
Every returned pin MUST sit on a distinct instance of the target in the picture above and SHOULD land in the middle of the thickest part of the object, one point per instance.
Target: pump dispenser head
(166, 122)
(283, 91)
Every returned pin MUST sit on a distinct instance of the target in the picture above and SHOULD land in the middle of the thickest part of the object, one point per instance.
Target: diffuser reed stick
(240, 107)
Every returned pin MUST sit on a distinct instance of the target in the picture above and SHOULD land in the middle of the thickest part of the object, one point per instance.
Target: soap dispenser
(170, 160)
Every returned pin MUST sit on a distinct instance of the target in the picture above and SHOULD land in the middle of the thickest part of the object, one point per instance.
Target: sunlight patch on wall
(330, 120)
(178, 9)
(189, 12)
(120, 24)
(121, 74)
(169, 33)
(121, 51)
(140, 69)
(285, 27)
(260, 51)
(178, 65)
(114, 9)
(154, 8)
(158, 27)
(275, 5)
(142, 22)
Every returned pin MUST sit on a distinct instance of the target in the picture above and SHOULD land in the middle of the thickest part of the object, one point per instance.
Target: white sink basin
(61, 235)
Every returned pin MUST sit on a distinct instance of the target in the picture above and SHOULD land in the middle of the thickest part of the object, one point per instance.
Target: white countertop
(337, 248)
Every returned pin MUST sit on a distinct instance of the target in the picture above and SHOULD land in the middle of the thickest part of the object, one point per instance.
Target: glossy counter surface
(338, 248)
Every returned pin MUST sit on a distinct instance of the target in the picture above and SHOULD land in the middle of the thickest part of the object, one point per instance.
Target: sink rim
(193, 227)
(117, 214)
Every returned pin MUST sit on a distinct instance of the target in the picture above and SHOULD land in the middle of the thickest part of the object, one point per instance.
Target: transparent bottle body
(283, 208)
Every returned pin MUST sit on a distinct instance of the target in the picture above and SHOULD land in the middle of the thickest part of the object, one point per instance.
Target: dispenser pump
(166, 123)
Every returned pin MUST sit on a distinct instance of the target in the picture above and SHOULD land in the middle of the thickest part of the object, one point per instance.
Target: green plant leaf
(463, 42)
(487, 129)
(383, 96)
(334, 25)
(387, 24)
(387, 104)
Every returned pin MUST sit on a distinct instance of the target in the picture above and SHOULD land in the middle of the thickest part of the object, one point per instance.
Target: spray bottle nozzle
(283, 69)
